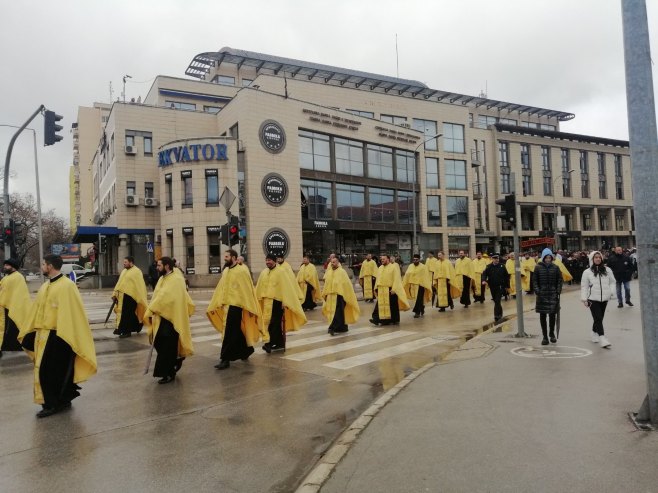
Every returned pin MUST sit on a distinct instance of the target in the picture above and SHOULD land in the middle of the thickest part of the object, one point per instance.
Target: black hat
(13, 262)
(495, 255)
(270, 256)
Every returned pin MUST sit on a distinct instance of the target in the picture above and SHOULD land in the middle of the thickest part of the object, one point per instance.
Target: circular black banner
(275, 189)
(272, 136)
(276, 242)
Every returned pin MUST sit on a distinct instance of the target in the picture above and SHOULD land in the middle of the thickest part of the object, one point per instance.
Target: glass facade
(453, 138)
(349, 157)
(350, 202)
(433, 210)
(380, 162)
(431, 172)
(457, 211)
(314, 151)
(317, 195)
(455, 174)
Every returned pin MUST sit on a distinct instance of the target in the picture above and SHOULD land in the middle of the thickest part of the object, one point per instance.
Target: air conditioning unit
(405, 125)
(150, 202)
(132, 200)
(131, 150)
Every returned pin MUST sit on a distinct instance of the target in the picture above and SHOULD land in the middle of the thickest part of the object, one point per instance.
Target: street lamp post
(555, 209)
(414, 243)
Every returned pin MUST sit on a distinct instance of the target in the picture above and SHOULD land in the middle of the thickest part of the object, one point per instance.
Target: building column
(538, 222)
(122, 251)
(577, 220)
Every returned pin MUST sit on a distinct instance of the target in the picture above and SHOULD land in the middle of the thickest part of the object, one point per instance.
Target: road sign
(149, 247)
(227, 198)
(552, 352)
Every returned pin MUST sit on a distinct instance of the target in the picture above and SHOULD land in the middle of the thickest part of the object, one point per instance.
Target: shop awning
(89, 234)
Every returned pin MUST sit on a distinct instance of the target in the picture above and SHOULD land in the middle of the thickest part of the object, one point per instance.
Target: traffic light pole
(520, 332)
(5, 206)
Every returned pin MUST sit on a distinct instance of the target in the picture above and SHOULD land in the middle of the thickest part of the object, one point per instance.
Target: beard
(228, 264)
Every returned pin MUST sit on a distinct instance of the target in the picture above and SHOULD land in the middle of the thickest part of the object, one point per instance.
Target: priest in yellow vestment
(431, 262)
(566, 275)
(340, 306)
(391, 297)
(168, 320)
(509, 265)
(130, 297)
(15, 304)
(282, 311)
(368, 277)
(464, 274)
(309, 283)
(235, 313)
(288, 269)
(479, 264)
(58, 338)
(528, 264)
(445, 281)
(417, 283)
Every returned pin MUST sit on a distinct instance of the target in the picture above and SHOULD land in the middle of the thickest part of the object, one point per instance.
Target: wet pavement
(259, 426)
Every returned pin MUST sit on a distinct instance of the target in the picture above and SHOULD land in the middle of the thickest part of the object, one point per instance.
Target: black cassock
(129, 321)
(234, 344)
(10, 340)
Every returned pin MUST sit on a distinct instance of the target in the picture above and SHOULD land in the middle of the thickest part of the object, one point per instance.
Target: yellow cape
(527, 267)
(478, 268)
(444, 270)
(566, 275)
(15, 297)
(172, 302)
(235, 288)
(288, 268)
(308, 274)
(337, 282)
(59, 307)
(463, 267)
(509, 265)
(366, 273)
(417, 275)
(277, 284)
(131, 282)
(388, 276)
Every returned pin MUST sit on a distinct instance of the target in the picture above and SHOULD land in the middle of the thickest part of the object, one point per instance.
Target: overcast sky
(560, 54)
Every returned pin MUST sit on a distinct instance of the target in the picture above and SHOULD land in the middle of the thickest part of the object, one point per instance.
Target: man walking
(431, 264)
(287, 268)
(547, 287)
(235, 313)
(390, 294)
(464, 273)
(417, 285)
(58, 339)
(622, 268)
(130, 298)
(15, 304)
(168, 320)
(528, 264)
(279, 303)
(368, 278)
(340, 306)
(479, 264)
(309, 283)
(445, 283)
(497, 278)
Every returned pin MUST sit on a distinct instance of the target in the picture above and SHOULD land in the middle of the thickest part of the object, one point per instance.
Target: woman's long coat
(547, 284)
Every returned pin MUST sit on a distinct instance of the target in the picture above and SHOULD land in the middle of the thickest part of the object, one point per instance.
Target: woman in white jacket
(597, 286)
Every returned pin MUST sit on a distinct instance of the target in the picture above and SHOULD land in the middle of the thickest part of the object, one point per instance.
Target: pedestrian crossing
(362, 345)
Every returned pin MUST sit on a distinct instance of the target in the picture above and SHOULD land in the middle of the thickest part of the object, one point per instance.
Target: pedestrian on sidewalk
(309, 283)
(168, 321)
(129, 296)
(391, 297)
(340, 305)
(497, 278)
(234, 312)
(417, 283)
(58, 339)
(547, 285)
(15, 304)
(621, 265)
(596, 288)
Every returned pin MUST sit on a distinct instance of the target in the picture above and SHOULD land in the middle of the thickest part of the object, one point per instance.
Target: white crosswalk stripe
(371, 357)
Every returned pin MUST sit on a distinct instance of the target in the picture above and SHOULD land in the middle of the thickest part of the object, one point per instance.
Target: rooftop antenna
(123, 94)
(483, 94)
(397, 60)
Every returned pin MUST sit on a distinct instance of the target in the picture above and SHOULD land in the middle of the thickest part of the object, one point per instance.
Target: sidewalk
(516, 419)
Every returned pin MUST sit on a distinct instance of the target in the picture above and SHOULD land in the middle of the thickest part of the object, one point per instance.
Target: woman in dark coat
(547, 284)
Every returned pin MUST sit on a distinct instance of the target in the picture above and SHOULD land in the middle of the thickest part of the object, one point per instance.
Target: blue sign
(191, 153)
(149, 247)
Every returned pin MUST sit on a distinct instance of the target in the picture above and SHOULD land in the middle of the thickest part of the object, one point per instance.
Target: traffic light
(8, 233)
(508, 208)
(102, 248)
(50, 128)
(233, 231)
(223, 234)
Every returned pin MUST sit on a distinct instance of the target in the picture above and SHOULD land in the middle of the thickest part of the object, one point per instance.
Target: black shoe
(442, 309)
(278, 349)
(267, 347)
(47, 411)
(250, 351)
(223, 364)
(167, 379)
(178, 364)
(553, 339)
(124, 335)
(372, 321)
(496, 320)
(452, 307)
(416, 315)
(620, 305)
(629, 303)
(331, 332)
(116, 332)
(465, 306)
(544, 341)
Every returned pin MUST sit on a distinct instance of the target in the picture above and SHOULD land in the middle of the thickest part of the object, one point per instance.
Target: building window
(177, 105)
(453, 138)
(525, 156)
(508, 121)
(566, 176)
(382, 205)
(455, 174)
(545, 158)
(189, 251)
(130, 140)
(548, 185)
(457, 243)
(186, 181)
(484, 121)
(405, 164)
(112, 147)
(620, 222)
(380, 162)
(584, 175)
(148, 145)
(431, 172)
(526, 183)
(457, 211)
(433, 210)
(603, 188)
(211, 109)
(214, 253)
(148, 190)
(428, 127)
(405, 207)
(131, 188)
(366, 114)
(314, 151)
(223, 80)
(349, 157)
(395, 120)
(212, 187)
(587, 221)
(603, 220)
(504, 184)
(503, 153)
(169, 200)
(350, 202)
(317, 197)
(546, 126)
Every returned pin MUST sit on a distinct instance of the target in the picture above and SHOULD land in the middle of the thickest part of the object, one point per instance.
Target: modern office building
(324, 159)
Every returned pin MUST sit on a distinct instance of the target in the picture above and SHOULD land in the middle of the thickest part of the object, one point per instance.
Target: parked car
(32, 277)
(79, 270)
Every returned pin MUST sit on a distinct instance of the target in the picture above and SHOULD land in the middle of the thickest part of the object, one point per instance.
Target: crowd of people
(54, 330)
